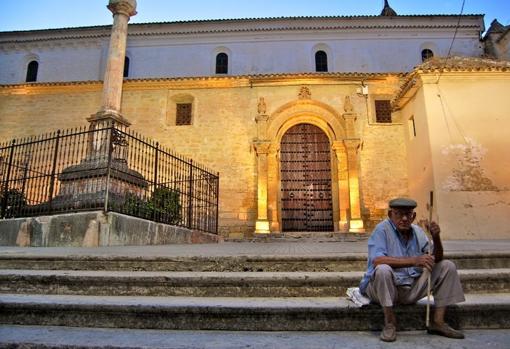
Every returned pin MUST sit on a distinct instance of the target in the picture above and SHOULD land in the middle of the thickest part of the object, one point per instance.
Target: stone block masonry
(94, 229)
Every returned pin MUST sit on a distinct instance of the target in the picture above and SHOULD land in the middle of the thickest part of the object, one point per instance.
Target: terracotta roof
(451, 64)
(66, 36)
(134, 26)
(457, 63)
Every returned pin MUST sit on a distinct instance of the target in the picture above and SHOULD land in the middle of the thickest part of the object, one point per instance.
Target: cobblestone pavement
(69, 337)
(277, 248)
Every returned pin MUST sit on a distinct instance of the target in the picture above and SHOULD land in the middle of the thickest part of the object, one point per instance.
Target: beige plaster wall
(419, 157)
(466, 118)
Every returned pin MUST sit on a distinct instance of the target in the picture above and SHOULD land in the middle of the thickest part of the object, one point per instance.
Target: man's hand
(433, 228)
(425, 261)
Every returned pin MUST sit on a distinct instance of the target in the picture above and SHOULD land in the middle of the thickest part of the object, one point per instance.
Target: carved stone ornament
(261, 108)
(304, 93)
(125, 7)
(262, 147)
(348, 108)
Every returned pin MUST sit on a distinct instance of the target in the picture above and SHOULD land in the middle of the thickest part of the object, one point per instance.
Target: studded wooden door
(305, 165)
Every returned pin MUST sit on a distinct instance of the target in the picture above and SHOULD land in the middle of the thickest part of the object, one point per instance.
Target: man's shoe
(389, 333)
(444, 330)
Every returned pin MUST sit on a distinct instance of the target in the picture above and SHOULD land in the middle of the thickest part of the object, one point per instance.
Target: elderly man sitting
(399, 266)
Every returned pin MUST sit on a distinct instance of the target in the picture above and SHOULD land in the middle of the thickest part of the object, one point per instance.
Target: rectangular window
(183, 114)
(412, 127)
(383, 111)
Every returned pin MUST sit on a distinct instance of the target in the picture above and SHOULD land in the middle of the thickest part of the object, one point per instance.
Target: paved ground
(293, 248)
(128, 338)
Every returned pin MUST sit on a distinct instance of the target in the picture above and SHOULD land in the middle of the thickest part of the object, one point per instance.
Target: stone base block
(93, 229)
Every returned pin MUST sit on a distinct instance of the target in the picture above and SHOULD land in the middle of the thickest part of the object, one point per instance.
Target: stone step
(481, 311)
(214, 284)
(238, 263)
(61, 337)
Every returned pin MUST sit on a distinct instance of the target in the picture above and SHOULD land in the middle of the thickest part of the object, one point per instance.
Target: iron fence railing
(104, 166)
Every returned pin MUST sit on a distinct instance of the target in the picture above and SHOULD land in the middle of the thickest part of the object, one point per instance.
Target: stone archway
(345, 184)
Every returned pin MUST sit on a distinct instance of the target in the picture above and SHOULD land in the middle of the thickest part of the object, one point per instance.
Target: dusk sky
(44, 14)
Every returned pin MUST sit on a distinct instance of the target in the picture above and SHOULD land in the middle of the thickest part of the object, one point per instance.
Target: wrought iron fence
(104, 166)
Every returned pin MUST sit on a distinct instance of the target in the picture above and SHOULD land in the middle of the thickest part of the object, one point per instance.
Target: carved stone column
(262, 148)
(112, 87)
(343, 185)
(355, 221)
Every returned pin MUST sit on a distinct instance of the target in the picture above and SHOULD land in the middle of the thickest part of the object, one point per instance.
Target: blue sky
(44, 14)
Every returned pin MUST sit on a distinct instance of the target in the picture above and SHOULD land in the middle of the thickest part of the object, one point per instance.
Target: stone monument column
(112, 87)
(104, 175)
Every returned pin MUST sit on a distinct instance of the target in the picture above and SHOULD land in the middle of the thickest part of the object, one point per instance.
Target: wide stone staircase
(248, 293)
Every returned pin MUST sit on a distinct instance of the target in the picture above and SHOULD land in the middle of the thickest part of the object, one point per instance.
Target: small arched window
(426, 54)
(126, 67)
(222, 63)
(32, 69)
(321, 61)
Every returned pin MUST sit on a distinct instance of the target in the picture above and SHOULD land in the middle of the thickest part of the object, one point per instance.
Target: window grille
(383, 111)
(183, 114)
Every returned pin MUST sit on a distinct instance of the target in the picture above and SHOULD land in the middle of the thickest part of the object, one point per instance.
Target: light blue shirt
(386, 241)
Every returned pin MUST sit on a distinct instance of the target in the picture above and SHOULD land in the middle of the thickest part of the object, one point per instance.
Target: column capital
(125, 7)
(261, 118)
(352, 143)
(350, 116)
(262, 147)
(338, 146)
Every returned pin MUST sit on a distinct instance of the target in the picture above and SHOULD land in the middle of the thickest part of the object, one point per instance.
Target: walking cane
(427, 319)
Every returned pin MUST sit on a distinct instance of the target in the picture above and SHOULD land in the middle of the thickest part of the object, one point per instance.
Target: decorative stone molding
(304, 93)
(261, 107)
(348, 108)
(262, 147)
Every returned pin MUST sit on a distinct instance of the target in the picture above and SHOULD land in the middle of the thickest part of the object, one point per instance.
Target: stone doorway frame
(340, 130)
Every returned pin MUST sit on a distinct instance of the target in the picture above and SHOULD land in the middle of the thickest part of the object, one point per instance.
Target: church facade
(313, 123)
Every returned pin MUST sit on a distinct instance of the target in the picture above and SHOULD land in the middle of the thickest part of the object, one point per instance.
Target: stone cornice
(204, 82)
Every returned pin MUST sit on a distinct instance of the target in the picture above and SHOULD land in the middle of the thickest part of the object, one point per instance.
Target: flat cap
(402, 202)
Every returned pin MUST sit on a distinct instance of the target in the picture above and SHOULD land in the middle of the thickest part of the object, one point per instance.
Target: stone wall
(383, 169)
(222, 131)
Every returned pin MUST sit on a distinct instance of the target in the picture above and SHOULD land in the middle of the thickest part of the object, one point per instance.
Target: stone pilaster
(350, 129)
(273, 187)
(122, 10)
(262, 148)
(355, 221)
(338, 148)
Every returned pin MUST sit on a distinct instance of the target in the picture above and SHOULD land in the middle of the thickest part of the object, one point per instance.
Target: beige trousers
(445, 286)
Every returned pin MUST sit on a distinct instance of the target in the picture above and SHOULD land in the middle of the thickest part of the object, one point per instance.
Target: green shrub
(163, 206)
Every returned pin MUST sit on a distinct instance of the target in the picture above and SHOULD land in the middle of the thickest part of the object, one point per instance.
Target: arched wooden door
(305, 165)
